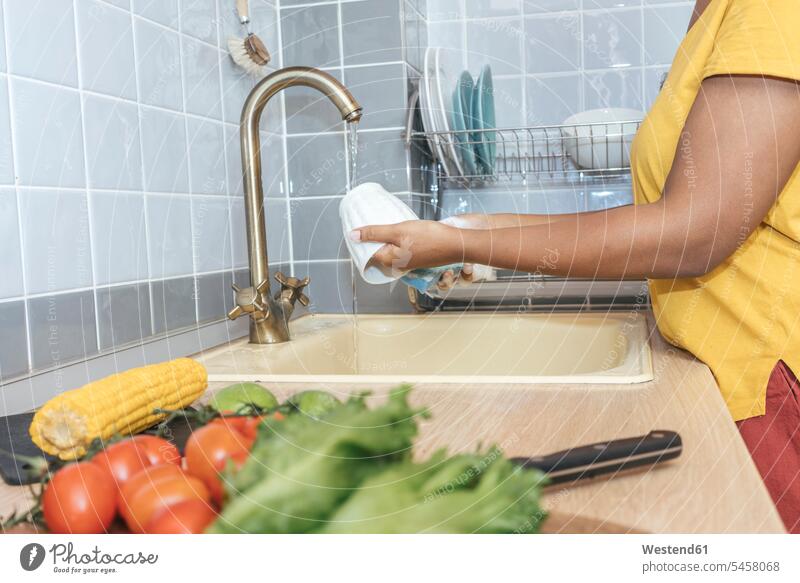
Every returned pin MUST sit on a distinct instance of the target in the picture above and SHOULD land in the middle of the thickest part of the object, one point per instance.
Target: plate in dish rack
(483, 115)
(430, 112)
(462, 121)
(428, 121)
(442, 89)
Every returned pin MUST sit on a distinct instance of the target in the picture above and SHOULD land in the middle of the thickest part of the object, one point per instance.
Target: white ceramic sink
(446, 348)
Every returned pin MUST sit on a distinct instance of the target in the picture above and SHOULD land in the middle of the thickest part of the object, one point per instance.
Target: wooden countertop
(713, 487)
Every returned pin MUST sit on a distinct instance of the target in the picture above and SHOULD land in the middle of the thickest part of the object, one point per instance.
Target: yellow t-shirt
(744, 316)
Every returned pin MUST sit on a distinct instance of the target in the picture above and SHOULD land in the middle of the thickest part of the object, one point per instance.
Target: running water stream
(351, 136)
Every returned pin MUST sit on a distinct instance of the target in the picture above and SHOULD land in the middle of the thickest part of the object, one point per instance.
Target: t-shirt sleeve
(758, 37)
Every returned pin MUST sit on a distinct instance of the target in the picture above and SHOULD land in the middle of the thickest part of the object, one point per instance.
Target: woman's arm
(502, 220)
(739, 146)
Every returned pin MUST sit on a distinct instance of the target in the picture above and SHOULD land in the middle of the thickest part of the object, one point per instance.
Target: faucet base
(272, 329)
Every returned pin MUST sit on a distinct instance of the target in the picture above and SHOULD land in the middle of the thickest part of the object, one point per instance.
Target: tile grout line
(80, 189)
(145, 206)
(166, 336)
(462, 7)
(165, 27)
(109, 97)
(126, 283)
(324, 3)
(200, 117)
(225, 144)
(284, 145)
(550, 13)
(404, 48)
(340, 39)
(89, 222)
(188, 171)
(17, 197)
(308, 261)
(524, 58)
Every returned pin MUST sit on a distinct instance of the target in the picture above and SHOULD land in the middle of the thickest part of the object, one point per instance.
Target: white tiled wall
(551, 59)
(120, 178)
(557, 57)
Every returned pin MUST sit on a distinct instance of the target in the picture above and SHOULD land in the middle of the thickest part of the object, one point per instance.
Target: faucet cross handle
(292, 289)
(249, 301)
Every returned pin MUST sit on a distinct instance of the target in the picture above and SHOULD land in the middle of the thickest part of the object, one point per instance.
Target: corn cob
(122, 403)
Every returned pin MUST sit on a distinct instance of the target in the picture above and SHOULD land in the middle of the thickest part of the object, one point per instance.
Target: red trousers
(774, 443)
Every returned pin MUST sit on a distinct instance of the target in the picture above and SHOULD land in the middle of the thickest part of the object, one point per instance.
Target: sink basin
(446, 348)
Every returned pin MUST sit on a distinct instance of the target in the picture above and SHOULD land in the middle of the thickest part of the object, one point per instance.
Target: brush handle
(243, 9)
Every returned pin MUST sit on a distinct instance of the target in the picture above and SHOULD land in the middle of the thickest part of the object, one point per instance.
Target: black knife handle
(606, 457)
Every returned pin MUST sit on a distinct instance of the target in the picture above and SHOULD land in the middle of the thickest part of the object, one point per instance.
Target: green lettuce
(461, 494)
(301, 469)
(352, 471)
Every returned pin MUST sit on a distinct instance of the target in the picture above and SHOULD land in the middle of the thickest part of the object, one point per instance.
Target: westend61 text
(675, 550)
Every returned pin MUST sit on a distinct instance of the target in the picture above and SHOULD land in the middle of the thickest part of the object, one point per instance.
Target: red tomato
(122, 460)
(247, 426)
(187, 517)
(157, 450)
(157, 487)
(208, 451)
(79, 499)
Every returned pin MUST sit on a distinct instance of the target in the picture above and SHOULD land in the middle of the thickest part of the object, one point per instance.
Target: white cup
(370, 204)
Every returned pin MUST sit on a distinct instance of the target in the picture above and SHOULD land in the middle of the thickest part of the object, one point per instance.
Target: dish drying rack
(540, 153)
(543, 155)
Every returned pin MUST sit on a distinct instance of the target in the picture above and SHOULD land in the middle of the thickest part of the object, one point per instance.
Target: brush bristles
(241, 57)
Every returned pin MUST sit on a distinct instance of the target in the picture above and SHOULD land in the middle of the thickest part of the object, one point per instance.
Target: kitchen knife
(606, 457)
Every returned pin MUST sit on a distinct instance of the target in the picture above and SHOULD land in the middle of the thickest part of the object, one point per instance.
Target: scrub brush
(248, 52)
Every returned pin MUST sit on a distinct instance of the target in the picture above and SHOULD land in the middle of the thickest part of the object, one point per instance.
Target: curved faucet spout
(269, 316)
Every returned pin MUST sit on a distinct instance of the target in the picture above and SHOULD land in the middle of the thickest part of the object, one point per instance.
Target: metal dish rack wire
(561, 154)
(565, 153)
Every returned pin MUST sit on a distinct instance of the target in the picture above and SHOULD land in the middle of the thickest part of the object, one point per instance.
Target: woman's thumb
(376, 233)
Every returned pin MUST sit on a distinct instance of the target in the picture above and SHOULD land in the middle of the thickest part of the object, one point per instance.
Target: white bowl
(594, 141)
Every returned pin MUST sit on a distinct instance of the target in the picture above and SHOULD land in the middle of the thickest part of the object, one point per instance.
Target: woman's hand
(413, 244)
(466, 221)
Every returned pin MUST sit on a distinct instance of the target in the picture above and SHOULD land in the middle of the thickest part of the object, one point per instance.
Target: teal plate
(484, 116)
(461, 118)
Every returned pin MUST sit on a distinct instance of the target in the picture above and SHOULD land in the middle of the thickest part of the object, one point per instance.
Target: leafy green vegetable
(461, 494)
(301, 469)
(351, 471)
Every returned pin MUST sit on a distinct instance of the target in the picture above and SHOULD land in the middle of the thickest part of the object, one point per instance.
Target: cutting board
(15, 442)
